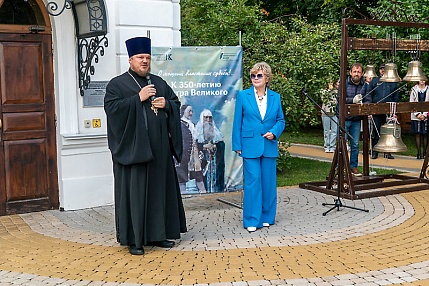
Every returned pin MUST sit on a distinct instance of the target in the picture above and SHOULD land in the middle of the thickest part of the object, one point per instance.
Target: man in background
(210, 141)
(379, 92)
(190, 166)
(355, 89)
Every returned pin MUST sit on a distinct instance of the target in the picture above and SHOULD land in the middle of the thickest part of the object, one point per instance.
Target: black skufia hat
(138, 45)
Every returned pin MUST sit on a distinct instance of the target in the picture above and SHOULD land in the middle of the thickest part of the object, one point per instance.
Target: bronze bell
(415, 72)
(390, 73)
(370, 71)
(390, 139)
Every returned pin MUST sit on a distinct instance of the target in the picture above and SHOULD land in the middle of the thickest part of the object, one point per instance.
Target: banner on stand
(206, 80)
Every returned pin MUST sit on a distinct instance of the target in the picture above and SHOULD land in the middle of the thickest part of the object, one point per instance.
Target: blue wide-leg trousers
(260, 192)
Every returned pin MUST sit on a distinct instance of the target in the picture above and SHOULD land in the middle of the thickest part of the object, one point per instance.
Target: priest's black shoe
(162, 243)
(135, 251)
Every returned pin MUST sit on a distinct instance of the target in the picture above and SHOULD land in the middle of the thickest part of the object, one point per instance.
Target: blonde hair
(266, 70)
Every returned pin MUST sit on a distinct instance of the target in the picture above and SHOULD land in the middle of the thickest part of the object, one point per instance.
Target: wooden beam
(377, 23)
(385, 44)
(384, 108)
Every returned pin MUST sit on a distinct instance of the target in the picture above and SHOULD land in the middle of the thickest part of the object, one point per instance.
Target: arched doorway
(28, 160)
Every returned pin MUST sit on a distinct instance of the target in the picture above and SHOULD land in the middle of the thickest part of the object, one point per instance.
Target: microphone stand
(340, 146)
(304, 91)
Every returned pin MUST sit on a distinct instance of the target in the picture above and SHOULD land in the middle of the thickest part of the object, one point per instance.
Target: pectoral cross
(155, 110)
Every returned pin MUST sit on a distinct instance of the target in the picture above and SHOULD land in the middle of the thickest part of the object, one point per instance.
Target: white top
(191, 127)
(262, 103)
(414, 97)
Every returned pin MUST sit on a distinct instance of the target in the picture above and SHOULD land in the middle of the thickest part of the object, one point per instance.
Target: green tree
(301, 40)
(300, 54)
(315, 11)
(217, 22)
(401, 11)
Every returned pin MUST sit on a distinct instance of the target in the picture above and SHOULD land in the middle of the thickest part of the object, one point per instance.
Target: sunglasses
(259, 76)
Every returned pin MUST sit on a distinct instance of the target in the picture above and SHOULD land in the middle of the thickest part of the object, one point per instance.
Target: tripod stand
(340, 169)
(340, 157)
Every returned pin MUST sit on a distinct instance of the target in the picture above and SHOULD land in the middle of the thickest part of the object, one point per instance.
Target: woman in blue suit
(258, 123)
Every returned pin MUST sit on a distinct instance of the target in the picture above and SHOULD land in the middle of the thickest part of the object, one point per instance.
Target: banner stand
(206, 81)
(240, 206)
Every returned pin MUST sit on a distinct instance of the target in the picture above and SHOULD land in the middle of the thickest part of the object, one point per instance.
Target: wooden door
(28, 160)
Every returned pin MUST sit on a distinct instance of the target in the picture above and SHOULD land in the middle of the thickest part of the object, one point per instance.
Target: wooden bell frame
(340, 176)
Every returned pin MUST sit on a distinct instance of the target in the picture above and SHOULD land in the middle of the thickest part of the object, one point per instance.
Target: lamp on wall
(91, 29)
(90, 18)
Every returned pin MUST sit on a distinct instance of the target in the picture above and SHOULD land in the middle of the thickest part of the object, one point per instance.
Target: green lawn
(306, 170)
(314, 136)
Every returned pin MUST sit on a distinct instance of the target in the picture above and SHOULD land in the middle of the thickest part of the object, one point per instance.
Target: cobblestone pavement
(389, 245)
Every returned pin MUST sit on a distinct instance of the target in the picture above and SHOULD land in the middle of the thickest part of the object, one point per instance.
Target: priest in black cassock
(144, 133)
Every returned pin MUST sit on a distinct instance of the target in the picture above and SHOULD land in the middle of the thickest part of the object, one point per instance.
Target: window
(20, 12)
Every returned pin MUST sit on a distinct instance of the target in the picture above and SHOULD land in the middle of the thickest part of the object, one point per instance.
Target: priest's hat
(138, 45)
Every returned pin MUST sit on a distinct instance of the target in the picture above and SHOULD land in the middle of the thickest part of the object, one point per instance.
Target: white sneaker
(251, 229)
(266, 224)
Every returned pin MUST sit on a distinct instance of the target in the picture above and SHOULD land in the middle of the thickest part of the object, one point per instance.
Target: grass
(307, 170)
(314, 136)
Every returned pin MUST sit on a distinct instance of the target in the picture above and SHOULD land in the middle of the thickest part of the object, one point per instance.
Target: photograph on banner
(206, 80)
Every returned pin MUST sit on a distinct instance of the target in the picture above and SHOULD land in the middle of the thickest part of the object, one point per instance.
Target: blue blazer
(248, 126)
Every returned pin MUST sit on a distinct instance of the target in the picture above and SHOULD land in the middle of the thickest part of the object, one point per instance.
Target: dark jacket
(351, 91)
(127, 122)
(380, 91)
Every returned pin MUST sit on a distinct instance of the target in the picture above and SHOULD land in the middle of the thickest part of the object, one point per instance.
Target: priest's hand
(158, 102)
(147, 91)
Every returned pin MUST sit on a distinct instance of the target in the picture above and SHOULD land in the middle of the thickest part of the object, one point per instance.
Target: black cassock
(148, 204)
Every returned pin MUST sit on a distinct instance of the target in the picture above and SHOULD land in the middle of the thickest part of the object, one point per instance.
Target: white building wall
(84, 161)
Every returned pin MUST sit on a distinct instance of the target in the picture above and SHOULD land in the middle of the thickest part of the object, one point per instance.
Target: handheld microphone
(149, 81)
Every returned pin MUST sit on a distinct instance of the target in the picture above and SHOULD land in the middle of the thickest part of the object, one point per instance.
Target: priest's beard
(208, 131)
